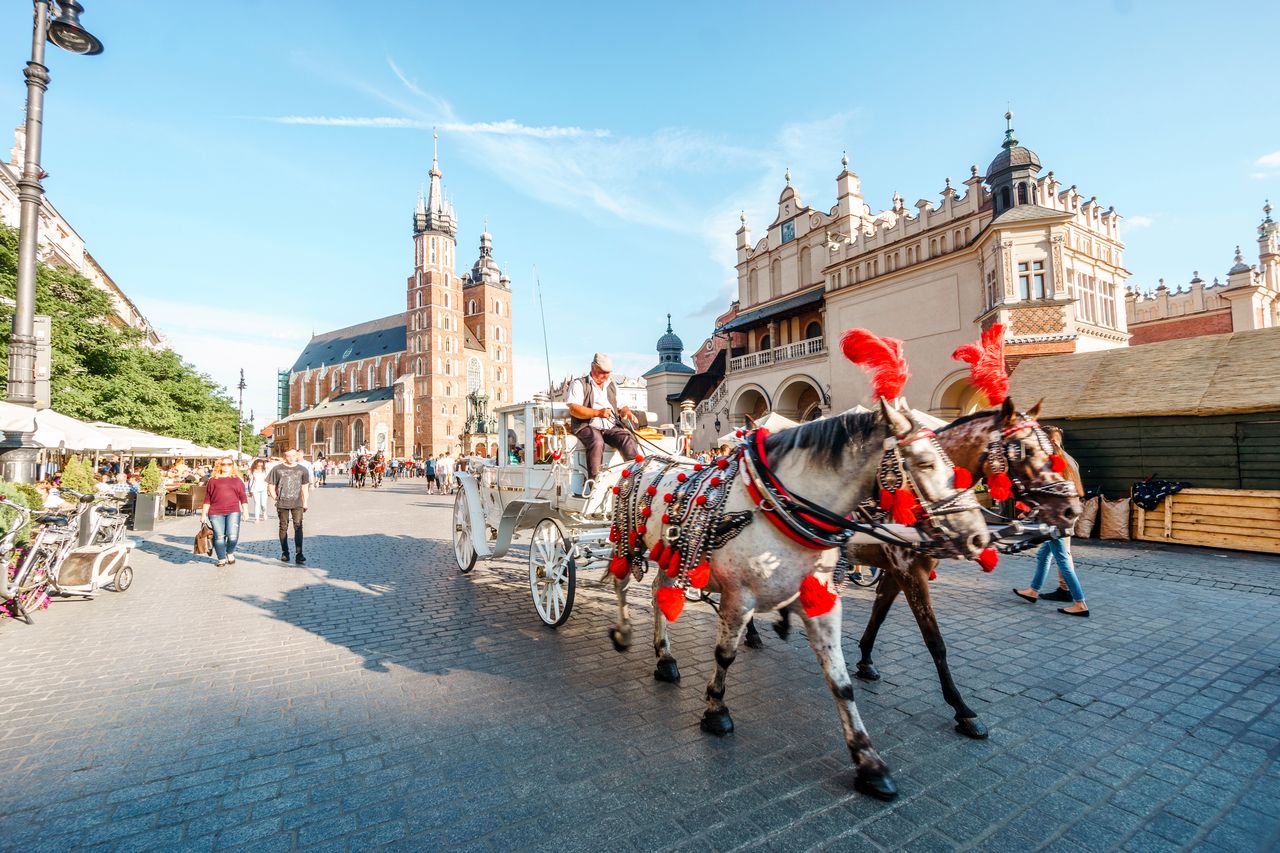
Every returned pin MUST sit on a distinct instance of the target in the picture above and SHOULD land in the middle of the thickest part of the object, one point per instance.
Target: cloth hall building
(409, 384)
(1012, 246)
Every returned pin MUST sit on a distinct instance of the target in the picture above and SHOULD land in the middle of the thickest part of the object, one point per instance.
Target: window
(417, 367)
(302, 394)
(1037, 278)
(373, 376)
(1107, 303)
(419, 297)
(357, 434)
(391, 375)
(448, 344)
(764, 342)
(1024, 280)
(471, 307)
(433, 250)
(302, 437)
(355, 380)
(474, 376)
(1022, 193)
(813, 330)
(319, 433)
(333, 381)
(1006, 200)
(339, 437)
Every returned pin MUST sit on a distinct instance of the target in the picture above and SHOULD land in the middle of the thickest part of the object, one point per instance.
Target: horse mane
(964, 419)
(829, 436)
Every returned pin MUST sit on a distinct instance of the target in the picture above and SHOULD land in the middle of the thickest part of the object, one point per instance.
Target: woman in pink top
(224, 500)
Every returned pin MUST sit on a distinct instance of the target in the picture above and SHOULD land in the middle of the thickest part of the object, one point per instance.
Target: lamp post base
(18, 458)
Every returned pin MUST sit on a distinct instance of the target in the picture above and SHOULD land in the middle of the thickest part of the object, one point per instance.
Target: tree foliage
(103, 371)
(151, 482)
(77, 475)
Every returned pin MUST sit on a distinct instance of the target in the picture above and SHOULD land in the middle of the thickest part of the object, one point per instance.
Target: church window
(373, 376)
(1006, 200)
(339, 437)
(1037, 278)
(319, 434)
(357, 434)
(302, 437)
(333, 381)
(354, 380)
(911, 256)
(1022, 193)
(433, 250)
(448, 389)
(933, 247)
(813, 330)
(448, 366)
(474, 376)
(455, 408)
(391, 375)
(501, 395)
(448, 344)
(302, 394)
(1024, 280)
(471, 307)
(448, 299)
(419, 305)
(448, 430)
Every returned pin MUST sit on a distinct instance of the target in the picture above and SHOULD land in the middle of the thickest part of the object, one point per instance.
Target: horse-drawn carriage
(538, 481)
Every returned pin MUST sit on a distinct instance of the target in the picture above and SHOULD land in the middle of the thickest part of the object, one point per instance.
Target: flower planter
(146, 511)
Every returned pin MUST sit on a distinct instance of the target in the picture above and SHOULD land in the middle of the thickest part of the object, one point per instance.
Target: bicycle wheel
(865, 575)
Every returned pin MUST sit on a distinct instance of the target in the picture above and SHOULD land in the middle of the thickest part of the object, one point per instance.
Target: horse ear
(1007, 412)
(1034, 412)
(899, 423)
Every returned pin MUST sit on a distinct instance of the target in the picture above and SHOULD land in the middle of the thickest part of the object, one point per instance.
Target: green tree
(102, 369)
(151, 482)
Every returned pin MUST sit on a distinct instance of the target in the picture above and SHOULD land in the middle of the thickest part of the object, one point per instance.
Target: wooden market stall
(1204, 410)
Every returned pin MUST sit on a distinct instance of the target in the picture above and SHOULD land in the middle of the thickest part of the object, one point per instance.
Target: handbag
(204, 540)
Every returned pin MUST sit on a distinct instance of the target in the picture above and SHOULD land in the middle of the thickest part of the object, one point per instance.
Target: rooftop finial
(1239, 256)
(742, 217)
(1009, 140)
(788, 176)
(844, 159)
(668, 324)
(1266, 208)
(435, 147)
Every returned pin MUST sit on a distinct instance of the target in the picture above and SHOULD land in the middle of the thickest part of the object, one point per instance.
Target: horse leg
(783, 626)
(824, 637)
(729, 630)
(666, 670)
(620, 634)
(753, 640)
(916, 590)
(886, 592)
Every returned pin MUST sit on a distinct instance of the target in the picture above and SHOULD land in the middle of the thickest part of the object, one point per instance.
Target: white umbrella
(54, 429)
(771, 421)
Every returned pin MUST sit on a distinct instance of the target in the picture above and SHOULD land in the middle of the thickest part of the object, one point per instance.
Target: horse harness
(1003, 451)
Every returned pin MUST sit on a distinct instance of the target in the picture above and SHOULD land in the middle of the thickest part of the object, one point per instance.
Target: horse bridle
(1004, 450)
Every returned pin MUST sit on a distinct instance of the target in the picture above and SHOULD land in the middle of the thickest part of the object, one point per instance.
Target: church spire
(439, 212)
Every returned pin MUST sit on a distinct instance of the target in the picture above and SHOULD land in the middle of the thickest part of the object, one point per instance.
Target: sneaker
(301, 561)
(221, 563)
(1056, 595)
(284, 558)
(231, 558)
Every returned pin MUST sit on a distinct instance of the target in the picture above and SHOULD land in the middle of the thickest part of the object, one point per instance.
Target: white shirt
(585, 392)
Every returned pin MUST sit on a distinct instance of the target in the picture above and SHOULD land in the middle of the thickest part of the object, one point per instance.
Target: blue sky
(247, 171)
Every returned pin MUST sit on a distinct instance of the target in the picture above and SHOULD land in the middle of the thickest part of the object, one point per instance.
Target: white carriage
(538, 481)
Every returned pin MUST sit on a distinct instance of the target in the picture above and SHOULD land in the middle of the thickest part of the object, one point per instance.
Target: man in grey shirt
(287, 486)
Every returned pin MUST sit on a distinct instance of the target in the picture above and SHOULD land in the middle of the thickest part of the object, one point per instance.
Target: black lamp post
(66, 32)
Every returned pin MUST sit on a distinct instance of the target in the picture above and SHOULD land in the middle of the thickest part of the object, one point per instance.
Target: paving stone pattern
(375, 697)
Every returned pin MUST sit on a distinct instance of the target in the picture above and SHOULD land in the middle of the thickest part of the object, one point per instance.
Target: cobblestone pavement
(376, 697)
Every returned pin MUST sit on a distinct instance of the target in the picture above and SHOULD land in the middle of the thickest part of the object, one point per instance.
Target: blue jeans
(1057, 548)
(226, 533)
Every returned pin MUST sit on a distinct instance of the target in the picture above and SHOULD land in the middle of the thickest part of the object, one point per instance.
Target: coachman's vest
(589, 396)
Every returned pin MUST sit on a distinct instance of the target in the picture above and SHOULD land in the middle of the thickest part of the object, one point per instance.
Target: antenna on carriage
(546, 348)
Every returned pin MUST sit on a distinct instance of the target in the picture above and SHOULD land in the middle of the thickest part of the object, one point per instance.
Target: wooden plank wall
(1215, 452)
(1243, 519)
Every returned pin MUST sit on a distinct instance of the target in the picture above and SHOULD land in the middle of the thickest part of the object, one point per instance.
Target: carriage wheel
(462, 547)
(552, 573)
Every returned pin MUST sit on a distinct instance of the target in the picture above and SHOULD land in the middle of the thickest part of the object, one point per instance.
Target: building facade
(401, 383)
(1248, 299)
(62, 245)
(1014, 247)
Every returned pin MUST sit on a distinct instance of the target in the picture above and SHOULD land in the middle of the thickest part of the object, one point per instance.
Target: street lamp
(240, 418)
(66, 32)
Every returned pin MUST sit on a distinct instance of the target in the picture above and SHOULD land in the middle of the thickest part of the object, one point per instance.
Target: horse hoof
(868, 672)
(667, 671)
(753, 641)
(782, 628)
(621, 639)
(971, 727)
(717, 723)
(876, 783)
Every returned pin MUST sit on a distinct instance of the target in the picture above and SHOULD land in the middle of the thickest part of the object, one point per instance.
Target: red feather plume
(881, 358)
(986, 364)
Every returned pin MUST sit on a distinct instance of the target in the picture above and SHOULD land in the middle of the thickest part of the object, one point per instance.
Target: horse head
(1020, 448)
(919, 475)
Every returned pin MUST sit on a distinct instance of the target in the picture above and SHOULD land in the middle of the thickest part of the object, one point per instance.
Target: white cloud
(1268, 161)
(493, 128)
(1132, 223)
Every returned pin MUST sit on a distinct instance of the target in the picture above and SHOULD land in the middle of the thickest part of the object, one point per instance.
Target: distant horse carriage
(877, 488)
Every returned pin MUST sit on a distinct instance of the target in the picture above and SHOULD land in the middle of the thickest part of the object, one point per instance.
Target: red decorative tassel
(651, 491)
(672, 568)
(666, 519)
(1057, 463)
(816, 597)
(1000, 486)
(963, 478)
(618, 567)
(904, 507)
(671, 602)
(681, 477)
(933, 574)
(988, 559)
(700, 576)
(886, 500)
(613, 534)
(658, 551)
(631, 540)
(1020, 506)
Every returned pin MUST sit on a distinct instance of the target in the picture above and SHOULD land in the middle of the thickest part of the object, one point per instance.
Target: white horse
(834, 463)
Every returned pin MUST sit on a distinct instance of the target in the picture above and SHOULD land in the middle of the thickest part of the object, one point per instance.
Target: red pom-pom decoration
(1057, 463)
(670, 602)
(1000, 486)
(626, 472)
(816, 597)
(651, 491)
(700, 500)
(617, 490)
(886, 500)
(642, 529)
(963, 478)
(631, 540)
(904, 507)
(645, 511)
(722, 463)
(715, 481)
(933, 574)
(668, 497)
(666, 519)
(988, 559)
(681, 477)
(700, 576)
(618, 567)
(697, 466)
(739, 433)
(639, 459)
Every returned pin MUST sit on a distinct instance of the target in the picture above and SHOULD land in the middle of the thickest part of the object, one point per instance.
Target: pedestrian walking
(258, 489)
(287, 486)
(225, 499)
(1059, 550)
(444, 472)
(432, 481)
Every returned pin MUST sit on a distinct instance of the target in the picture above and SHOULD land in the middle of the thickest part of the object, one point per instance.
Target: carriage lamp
(541, 412)
(689, 418)
(717, 424)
